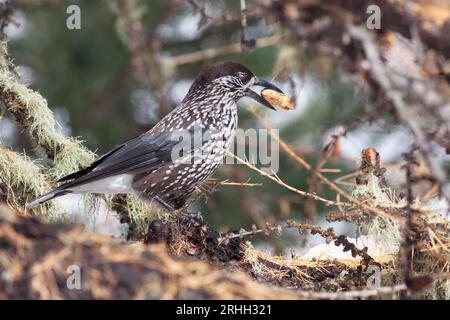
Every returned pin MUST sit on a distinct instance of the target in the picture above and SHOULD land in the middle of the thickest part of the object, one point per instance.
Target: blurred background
(133, 61)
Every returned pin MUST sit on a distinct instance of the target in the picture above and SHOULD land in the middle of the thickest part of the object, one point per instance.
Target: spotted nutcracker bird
(146, 165)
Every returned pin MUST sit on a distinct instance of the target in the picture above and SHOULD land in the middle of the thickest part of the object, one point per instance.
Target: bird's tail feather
(48, 196)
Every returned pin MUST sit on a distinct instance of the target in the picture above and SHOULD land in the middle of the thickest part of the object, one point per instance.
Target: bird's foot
(192, 219)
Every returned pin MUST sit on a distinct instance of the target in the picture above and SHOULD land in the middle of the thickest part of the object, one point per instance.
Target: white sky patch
(145, 106)
(179, 89)
(8, 131)
(20, 26)
(390, 145)
(185, 28)
(62, 117)
(26, 75)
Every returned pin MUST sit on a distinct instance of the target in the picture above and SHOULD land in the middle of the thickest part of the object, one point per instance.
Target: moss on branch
(31, 111)
(23, 181)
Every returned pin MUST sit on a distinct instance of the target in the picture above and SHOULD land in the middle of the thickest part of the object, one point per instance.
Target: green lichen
(25, 182)
(388, 233)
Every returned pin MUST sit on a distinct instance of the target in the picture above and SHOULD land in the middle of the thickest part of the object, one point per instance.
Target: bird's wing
(143, 153)
(94, 164)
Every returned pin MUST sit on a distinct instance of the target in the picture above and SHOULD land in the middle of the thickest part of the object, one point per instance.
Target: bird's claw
(192, 219)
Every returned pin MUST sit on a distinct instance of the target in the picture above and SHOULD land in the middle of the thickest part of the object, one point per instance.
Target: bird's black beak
(266, 85)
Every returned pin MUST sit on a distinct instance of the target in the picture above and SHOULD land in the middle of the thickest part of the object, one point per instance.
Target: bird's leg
(186, 217)
(164, 203)
(192, 219)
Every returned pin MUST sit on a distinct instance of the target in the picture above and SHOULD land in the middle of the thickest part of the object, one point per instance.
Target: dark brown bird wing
(143, 153)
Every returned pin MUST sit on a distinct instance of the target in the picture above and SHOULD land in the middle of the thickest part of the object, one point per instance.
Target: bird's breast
(179, 178)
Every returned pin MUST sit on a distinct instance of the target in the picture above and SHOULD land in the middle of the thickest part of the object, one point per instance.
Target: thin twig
(285, 147)
(353, 294)
(276, 179)
(240, 184)
(216, 52)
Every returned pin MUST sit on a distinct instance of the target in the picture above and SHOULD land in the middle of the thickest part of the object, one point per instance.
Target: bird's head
(230, 78)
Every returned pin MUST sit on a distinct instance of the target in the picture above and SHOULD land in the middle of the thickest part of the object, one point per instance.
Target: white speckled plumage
(145, 165)
(212, 107)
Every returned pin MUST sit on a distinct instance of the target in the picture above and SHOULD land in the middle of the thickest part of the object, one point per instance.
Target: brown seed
(278, 99)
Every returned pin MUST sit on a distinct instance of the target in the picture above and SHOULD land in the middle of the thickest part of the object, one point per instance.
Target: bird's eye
(244, 77)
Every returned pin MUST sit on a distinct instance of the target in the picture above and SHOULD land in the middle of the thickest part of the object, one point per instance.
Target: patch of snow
(331, 251)
(100, 220)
